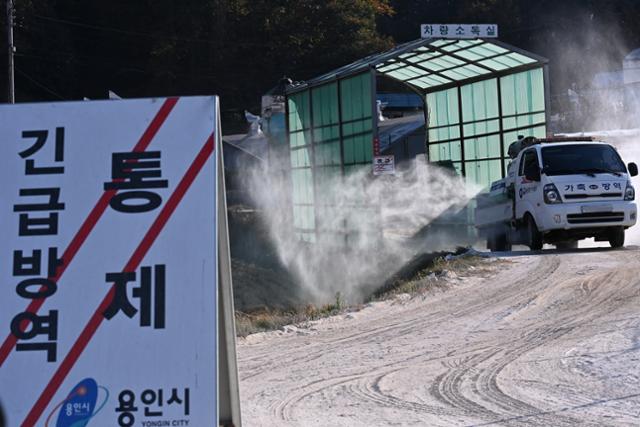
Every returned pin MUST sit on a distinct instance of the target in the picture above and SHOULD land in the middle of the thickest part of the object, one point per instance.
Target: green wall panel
(327, 154)
(325, 105)
(520, 96)
(299, 138)
(480, 100)
(481, 127)
(357, 121)
(522, 92)
(328, 135)
(301, 180)
(483, 172)
(299, 111)
(300, 158)
(482, 148)
(445, 151)
(443, 108)
(444, 133)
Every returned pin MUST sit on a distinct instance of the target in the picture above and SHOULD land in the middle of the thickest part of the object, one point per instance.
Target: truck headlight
(551, 195)
(629, 192)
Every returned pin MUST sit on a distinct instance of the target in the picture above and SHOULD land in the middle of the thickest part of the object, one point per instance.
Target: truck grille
(586, 196)
(583, 218)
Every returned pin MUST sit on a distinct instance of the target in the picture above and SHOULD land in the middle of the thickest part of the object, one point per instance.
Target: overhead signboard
(110, 263)
(458, 31)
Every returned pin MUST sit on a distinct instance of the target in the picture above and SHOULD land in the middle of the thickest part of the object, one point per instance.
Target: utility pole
(11, 96)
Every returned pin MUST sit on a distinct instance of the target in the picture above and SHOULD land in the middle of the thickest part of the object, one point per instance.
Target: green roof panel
(461, 44)
(521, 58)
(429, 63)
(496, 64)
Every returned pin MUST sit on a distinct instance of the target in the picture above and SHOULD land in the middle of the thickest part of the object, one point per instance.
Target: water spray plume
(365, 228)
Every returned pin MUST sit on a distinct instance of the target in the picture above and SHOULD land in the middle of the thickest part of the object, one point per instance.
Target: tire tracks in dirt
(594, 306)
(474, 335)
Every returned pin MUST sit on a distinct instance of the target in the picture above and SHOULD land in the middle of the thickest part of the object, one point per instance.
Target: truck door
(527, 184)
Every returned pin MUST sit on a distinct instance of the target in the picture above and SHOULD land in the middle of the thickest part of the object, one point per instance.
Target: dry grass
(435, 275)
(430, 278)
(273, 319)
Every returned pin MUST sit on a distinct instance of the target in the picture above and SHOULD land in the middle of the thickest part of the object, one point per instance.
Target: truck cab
(562, 191)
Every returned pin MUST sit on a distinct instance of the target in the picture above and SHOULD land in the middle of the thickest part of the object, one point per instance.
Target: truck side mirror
(633, 169)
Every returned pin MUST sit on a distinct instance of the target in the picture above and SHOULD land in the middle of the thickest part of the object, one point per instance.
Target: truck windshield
(581, 158)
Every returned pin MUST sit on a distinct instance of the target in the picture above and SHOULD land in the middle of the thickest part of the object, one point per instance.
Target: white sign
(384, 165)
(109, 262)
(458, 31)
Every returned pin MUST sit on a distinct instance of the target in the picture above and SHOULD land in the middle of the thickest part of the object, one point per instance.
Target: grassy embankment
(425, 274)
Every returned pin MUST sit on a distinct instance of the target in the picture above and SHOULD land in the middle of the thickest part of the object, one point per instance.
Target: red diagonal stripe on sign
(135, 260)
(89, 223)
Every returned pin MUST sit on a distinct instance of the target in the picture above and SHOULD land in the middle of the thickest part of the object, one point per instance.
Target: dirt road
(547, 340)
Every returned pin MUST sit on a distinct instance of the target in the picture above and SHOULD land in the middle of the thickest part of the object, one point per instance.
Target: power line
(143, 34)
(93, 61)
(53, 53)
(33, 29)
(40, 85)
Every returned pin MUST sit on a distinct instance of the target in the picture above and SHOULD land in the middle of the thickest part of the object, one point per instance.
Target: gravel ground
(546, 339)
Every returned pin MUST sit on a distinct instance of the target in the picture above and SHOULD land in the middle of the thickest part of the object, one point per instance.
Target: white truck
(558, 191)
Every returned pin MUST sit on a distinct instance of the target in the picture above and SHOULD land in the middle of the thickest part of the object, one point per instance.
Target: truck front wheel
(616, 237)
(534, 236)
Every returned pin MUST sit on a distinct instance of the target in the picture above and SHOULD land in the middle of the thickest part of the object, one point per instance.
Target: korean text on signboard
(458, 31)
(110, 262)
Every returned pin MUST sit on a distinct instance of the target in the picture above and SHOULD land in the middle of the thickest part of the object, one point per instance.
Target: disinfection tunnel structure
(478, 94)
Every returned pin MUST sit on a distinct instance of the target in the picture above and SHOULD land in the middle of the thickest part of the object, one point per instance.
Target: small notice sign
(458, 31)
(384, 165)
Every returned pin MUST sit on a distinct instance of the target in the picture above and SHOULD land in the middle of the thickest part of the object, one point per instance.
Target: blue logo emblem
(80, 405)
